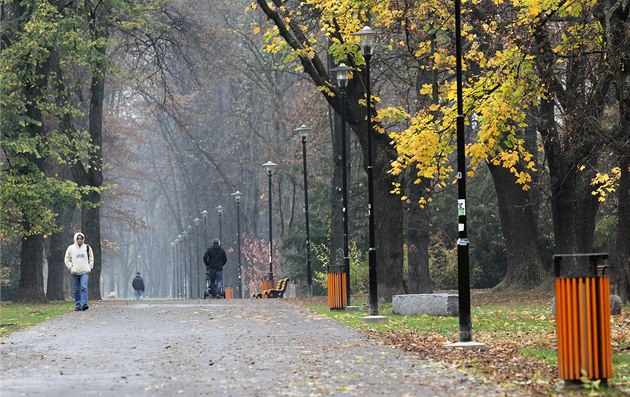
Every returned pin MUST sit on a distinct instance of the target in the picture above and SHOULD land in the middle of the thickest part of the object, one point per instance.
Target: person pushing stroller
(214, 259)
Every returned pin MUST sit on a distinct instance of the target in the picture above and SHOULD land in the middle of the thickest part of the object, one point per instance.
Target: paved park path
(214, 348)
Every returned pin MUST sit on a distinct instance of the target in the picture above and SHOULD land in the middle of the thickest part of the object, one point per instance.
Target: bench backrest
(282, 284)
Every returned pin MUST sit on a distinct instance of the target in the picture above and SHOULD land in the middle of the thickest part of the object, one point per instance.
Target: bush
(359, 270)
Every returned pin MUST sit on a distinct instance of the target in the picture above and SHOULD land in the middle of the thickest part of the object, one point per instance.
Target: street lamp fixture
(342, 74)
(174, 269)
(180, 268)
(303, 131)
(185, 263)
(197, 221)
(366, 37)
(269, 166)
(237, 198)
(204, 215)
(220, 212)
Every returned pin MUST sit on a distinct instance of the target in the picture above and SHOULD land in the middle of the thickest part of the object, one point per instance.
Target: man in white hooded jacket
(80, 261)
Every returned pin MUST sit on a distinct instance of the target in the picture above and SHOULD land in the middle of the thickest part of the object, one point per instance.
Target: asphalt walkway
(214, 348)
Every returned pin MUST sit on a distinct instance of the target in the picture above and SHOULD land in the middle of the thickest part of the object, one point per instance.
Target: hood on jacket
(77, 235)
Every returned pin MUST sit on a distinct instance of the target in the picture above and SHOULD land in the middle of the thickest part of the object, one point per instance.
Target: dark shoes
(77, 309)
(84, 308)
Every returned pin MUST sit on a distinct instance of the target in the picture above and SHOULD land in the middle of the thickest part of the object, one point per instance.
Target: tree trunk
(57, 271)
(418, 242)
(336, 204)
(524, 256)
(31, 286)
(622, 254)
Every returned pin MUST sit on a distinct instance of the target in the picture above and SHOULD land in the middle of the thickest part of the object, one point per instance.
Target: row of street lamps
(182, 248)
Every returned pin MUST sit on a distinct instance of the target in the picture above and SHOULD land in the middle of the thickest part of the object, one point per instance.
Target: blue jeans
(80, 287)
(139, 294)
(219, 290)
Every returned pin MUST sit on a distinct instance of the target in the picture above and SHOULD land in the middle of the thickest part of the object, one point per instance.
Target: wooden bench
(277, 292)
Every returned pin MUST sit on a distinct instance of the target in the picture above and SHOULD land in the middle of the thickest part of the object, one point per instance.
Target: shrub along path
(218, 348)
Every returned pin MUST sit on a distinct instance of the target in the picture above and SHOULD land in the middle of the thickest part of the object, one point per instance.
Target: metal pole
(370, 174)
(309, 269)
(238, 239)
(463, 267)
(220, 228)
(174, 270)
(185, 264)
(344, 178)
(270, 231)
(197, 264)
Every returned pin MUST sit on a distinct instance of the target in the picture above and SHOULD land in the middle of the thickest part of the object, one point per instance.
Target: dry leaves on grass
(500, 363)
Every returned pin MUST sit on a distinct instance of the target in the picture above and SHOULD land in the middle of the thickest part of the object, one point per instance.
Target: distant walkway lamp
(174, 270)
(220, 212)
(237, 198)
(185, 263)
(180, 268)
(190, 261)
(303, 131)
(367, 35)
(204, 215)
(342, 76)
(197, 262)
(269, 166)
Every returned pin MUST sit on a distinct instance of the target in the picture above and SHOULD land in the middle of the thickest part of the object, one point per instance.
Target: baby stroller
(211, 286)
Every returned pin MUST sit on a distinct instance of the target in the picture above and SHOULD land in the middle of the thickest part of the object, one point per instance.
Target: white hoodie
(77, 259)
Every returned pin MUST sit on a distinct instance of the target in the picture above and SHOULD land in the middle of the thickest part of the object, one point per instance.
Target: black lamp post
(269, 166)
(237, 198)
(180, 267)
(463, 267)
(197, 262)
(204, 215)
(174, 270)
(303, 130)
(190, 260)
(185, 264)
(342, 76)
(220, 212)
(366, 35)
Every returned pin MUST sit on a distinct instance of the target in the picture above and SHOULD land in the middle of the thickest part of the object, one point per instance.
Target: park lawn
(17, 316)
(518, 330)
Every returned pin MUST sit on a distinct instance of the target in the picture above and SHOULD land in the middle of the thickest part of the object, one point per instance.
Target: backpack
(87, 248)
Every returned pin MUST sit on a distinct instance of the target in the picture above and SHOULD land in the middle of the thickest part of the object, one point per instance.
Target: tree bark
(524, 256)
(336, 204)
(57, 271)
(622, 254)
(31, 285)
(418, 242)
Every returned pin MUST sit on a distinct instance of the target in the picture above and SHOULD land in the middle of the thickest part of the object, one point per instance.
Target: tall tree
(338, 22)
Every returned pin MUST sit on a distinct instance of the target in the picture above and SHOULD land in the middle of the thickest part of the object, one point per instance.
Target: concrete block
(615, 305)
(431, 304)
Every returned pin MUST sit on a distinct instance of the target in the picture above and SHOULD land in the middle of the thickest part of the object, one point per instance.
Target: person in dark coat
(214, 259)
(138, 287)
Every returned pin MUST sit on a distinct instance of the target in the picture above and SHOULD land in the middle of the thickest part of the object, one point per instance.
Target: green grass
(17, 316)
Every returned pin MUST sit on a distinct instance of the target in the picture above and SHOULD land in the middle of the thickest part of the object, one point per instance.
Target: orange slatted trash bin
(266, 284)
(229, 293)
(583, 319)
(337, 293)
